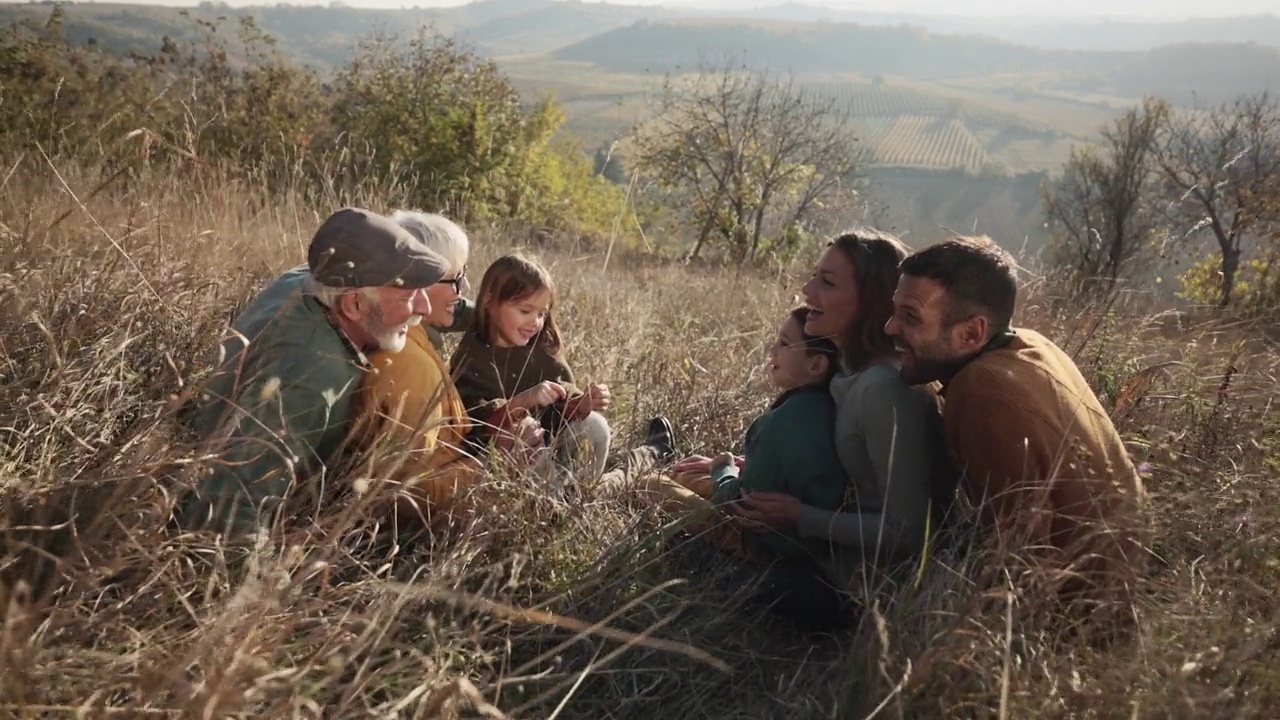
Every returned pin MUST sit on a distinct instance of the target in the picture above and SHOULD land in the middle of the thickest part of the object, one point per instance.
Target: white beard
(392, 339)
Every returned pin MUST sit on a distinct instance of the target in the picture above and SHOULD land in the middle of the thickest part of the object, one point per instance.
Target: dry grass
(530, 610)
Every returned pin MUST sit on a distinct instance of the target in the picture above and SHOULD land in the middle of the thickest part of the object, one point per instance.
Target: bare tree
(748, 154)
(1218, 165)
(1098, 210)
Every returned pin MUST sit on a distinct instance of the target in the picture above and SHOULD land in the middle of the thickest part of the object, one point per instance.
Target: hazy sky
(1165, 9)
(1060, 8)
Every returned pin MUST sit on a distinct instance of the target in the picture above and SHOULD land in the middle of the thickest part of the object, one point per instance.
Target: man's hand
(541, 395)
(703, 464)
(697, 464)
(724, 458)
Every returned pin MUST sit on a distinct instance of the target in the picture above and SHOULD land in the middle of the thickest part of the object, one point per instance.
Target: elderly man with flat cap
(282, 402)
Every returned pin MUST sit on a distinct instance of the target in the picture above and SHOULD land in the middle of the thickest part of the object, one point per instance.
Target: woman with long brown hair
(888, 434)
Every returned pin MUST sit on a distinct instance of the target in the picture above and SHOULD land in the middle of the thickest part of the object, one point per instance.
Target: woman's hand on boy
(767, 511)
(541, 395)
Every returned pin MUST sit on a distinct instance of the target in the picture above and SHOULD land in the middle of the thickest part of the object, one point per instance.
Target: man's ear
(352, 305)
(970, 335)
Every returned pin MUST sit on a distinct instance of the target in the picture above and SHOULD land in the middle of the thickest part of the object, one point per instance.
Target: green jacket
(790, 449)
(276, 412)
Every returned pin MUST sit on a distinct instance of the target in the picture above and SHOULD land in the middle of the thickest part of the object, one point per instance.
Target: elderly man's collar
(361, 359)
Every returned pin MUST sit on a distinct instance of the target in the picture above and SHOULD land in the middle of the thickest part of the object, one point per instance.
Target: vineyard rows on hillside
(922, 141)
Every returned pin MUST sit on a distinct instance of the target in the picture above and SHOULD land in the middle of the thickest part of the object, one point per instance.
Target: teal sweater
(790, 449)
(275, 412)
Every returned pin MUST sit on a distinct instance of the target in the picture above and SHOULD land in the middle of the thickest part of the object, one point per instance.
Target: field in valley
(903, 122)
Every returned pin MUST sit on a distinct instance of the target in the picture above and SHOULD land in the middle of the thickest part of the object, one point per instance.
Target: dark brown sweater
(487, 377)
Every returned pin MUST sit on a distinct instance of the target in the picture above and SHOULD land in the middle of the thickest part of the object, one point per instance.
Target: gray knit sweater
(889, 440)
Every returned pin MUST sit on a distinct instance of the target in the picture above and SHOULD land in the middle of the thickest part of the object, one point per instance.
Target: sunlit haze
(1161, 9)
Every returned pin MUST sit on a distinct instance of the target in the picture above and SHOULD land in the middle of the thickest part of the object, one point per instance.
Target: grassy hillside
(544, 26)
(528, 608)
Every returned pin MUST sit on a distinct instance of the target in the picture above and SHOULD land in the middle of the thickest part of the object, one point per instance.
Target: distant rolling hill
(1094, 34)
(1212, 71)
(325, 36)
(540, 26)
(811, 48)
(902, 126)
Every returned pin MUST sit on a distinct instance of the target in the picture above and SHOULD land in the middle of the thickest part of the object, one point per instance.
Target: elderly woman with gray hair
(451, 311)
(412, 405)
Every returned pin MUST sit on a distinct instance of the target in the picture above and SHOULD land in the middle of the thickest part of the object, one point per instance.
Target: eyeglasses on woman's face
(458, 281)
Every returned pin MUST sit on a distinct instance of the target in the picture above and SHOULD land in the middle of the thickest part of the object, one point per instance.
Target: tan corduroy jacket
(1046, 466)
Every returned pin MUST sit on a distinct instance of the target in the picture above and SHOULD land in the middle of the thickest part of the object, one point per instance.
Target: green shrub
(1257, 288)
(425, 116)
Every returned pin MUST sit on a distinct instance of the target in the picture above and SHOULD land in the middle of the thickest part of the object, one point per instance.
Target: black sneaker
(662, 437)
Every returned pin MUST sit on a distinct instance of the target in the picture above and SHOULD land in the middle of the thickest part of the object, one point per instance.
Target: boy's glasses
(456, 282)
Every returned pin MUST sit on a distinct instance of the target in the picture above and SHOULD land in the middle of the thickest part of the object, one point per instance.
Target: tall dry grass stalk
(112, 301)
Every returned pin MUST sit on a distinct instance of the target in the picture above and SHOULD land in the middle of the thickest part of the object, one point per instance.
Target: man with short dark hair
(279, 406)
(1041, 459)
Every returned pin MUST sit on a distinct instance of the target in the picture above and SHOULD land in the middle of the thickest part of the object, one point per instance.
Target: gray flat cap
(358, 248)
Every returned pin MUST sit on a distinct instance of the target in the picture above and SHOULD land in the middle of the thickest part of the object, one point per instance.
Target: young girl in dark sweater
(512, 360)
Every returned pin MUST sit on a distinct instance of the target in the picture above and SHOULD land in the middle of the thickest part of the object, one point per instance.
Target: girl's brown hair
(815, 345)
(875, 256)
(512, 278)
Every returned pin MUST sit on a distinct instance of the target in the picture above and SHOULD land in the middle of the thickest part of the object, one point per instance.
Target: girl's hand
(698, 464)
(767, 511)
(541, 395)
(599, 397)
(524, 439)
(578, 408)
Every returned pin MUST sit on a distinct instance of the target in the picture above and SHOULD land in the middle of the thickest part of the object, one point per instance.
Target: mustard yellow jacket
(413, 410)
